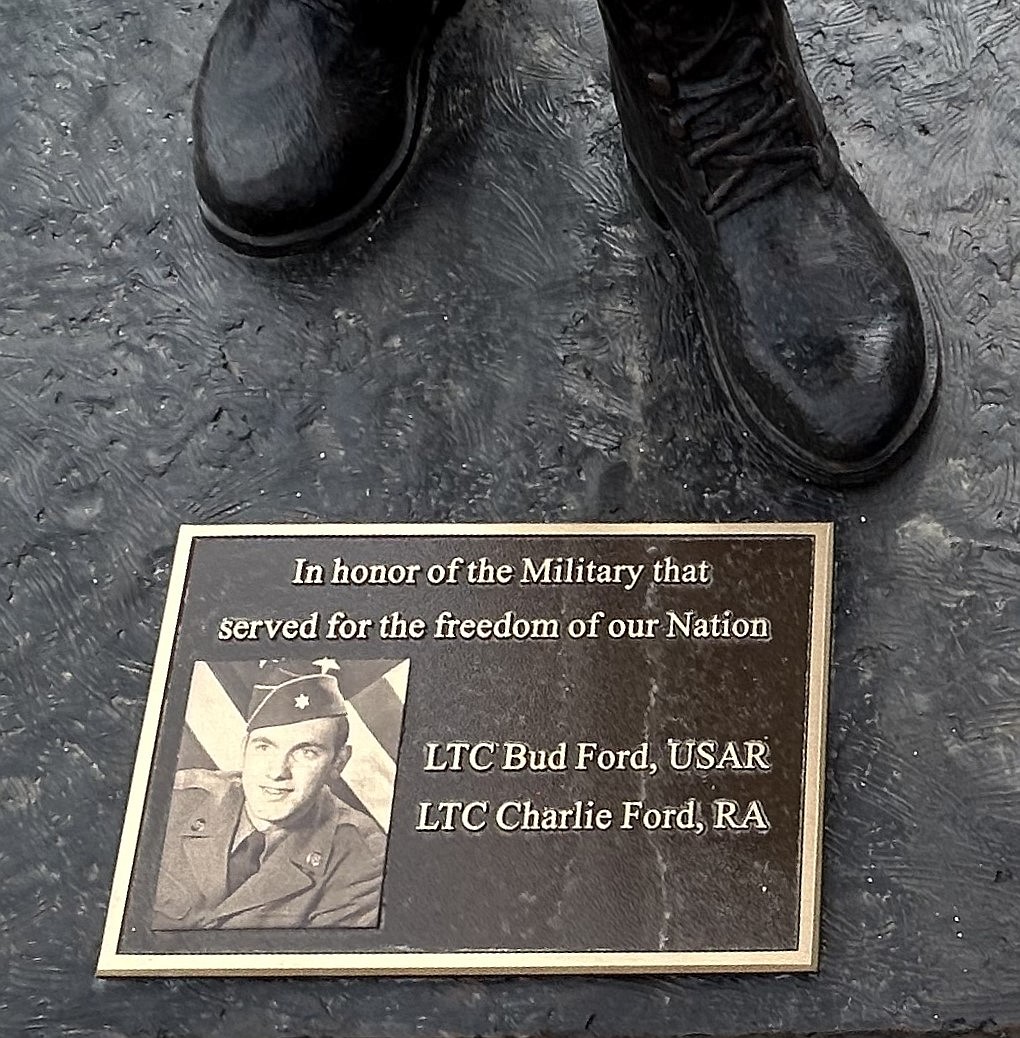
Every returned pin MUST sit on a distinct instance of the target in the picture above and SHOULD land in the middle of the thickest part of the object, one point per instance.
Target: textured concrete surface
(542, 364)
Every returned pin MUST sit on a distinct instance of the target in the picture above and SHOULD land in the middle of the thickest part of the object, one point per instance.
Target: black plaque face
(562, 749)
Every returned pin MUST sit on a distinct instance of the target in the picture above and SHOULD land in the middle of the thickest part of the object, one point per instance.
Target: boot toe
(260, 182)
(850, 401)
(832, 354)
(305, 116)
(268, 165)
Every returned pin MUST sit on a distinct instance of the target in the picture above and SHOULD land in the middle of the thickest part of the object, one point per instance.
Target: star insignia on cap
(326, 664)
(302, 702)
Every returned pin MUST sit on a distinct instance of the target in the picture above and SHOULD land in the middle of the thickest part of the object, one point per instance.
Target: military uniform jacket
(327, 873)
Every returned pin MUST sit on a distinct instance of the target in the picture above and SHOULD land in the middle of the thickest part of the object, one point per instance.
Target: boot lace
(744, 136)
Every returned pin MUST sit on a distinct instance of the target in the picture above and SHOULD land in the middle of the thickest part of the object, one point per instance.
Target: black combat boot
(306, 115)
(816, 333)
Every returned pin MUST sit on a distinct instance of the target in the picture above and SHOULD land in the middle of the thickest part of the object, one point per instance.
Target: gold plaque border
(114, 963)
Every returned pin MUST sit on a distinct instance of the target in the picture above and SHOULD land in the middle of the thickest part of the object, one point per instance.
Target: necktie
(245, 860)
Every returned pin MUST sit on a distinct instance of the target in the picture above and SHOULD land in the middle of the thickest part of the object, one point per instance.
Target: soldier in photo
(273, 846)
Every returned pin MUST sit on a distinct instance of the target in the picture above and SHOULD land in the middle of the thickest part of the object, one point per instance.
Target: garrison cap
(301, 698)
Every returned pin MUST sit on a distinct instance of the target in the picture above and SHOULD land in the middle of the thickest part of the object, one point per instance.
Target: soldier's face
(285, 767)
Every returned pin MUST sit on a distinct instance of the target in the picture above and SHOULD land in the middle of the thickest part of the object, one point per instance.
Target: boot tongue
(718, 73)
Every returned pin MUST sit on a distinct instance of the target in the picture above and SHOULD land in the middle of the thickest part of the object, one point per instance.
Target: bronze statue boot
(306, 116)
(815, 330)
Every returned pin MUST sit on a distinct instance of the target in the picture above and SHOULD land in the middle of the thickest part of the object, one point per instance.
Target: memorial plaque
(480, 749)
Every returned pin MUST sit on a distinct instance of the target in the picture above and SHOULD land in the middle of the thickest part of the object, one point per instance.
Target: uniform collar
(274, 834)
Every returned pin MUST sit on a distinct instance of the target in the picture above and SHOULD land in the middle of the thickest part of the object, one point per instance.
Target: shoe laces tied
(766, 148)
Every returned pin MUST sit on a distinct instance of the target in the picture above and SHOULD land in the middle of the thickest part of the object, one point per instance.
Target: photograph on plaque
(406, 750)
(282, 794)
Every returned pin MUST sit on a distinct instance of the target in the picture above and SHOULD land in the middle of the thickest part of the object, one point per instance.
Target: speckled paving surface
(539, 365)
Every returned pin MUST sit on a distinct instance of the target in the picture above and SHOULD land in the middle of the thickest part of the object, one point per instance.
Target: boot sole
(305, 239)
(800, 461)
